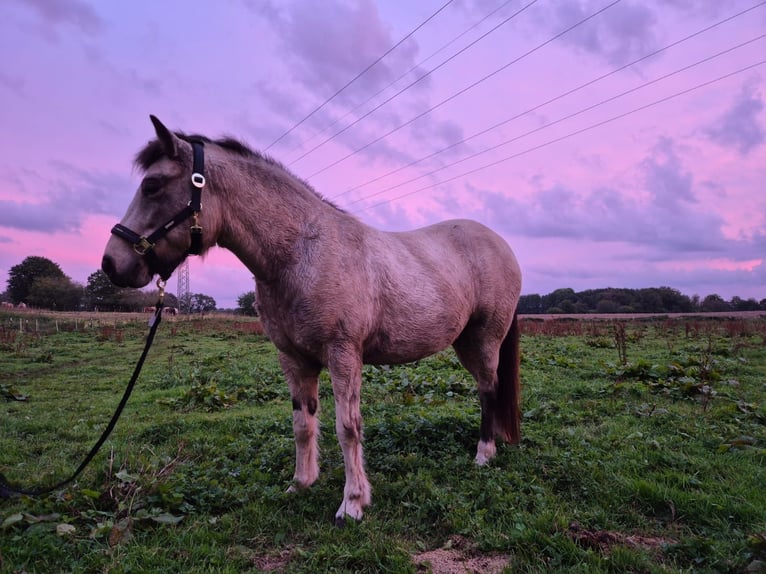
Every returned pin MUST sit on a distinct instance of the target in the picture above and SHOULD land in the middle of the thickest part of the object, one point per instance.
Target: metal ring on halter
(198, 180)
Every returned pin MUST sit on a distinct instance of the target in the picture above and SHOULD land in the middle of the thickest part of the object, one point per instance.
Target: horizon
(168, 289)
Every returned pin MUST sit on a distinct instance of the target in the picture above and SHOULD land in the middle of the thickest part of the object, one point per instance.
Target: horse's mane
(153, 151)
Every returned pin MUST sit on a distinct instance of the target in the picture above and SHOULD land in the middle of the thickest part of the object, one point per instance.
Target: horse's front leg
(304, 390)
(346, 374)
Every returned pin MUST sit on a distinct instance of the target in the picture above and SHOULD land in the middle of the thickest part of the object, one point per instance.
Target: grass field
(644, 450)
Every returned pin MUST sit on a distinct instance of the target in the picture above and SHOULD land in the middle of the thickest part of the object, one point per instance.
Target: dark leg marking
(487, 431)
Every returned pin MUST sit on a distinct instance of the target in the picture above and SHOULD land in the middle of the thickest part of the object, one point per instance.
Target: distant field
(644, 450)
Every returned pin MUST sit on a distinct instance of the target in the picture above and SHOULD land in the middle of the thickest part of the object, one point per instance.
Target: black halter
(143, 245)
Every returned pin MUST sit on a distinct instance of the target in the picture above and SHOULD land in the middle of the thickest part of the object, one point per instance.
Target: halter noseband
(143, 245)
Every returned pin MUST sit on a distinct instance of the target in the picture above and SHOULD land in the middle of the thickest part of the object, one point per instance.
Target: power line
(464, 90)
(360, 74)
(418, 79)
(567, 117)
(414, 67)
(549, 101)
(567, 136)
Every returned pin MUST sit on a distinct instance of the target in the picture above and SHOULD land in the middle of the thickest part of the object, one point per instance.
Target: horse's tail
(508, 406)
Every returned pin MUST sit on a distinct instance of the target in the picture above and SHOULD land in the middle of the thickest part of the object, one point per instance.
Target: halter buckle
(142, 246)
(198, 180)
(161, 287)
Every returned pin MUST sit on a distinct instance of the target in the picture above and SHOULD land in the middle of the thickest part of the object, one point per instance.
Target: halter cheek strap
(144, 245)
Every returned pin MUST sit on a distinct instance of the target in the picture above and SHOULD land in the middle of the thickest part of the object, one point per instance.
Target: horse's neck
(264, 222)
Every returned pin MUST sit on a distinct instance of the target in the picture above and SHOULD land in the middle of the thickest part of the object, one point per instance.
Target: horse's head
(161, 226)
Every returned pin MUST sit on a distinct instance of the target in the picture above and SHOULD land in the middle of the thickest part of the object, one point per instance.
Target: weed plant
(644, 450)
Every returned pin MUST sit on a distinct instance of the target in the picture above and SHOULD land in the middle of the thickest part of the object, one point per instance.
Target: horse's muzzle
(136, 275)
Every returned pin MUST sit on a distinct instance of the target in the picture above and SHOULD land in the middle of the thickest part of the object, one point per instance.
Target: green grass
(644, 450)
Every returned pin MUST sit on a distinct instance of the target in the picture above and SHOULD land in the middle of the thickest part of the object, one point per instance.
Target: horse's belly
(383, 348)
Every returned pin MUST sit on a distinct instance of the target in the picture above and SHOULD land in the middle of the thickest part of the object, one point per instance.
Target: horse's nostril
(107, 265)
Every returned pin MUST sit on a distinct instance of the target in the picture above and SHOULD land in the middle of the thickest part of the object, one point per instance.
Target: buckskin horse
(332, 292)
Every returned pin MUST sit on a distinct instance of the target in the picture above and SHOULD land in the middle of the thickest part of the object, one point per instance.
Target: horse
(332, 292)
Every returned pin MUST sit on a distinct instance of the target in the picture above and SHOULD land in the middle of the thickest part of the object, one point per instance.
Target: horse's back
(433, 281)
(463, 248)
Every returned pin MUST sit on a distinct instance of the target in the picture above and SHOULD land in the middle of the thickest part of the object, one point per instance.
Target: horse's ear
(167, 138)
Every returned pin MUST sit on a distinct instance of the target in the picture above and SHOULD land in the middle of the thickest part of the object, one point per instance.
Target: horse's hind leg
(346, 374)
(480, 358)
(304, 388)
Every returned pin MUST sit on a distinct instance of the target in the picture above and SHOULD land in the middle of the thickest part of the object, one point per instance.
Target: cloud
(696, 7)
(659, 214)
(324, 50)
(664, 177)
(619, 34)
(46, 217)
(739, 127)
(437, 133)
(73, 12)
(63, 201)
(13, 83)
(332, 45)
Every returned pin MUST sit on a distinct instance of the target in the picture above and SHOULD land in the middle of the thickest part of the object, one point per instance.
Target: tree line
(617, 300)
(40, 283)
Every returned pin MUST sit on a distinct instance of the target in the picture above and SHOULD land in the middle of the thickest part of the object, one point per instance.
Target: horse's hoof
(485, 452)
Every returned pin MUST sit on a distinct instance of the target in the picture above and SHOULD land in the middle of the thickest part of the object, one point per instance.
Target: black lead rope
(7, 490)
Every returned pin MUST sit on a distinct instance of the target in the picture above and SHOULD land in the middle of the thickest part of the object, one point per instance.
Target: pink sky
(670, 194)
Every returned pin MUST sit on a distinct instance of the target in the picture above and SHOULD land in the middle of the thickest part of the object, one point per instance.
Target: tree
(713, 303)
(103, 295)
(674, 301)
(201, 303)
(246, 304)
(739, 304)
(57, 293)
(22, 276)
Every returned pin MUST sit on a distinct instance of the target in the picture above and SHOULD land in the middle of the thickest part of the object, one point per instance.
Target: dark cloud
(91, 192)
(326, 48)
(12, 83)
(46, 217)
(437, 134)
(665, 178)
(696, 7)
(65, 199)
(665, 217)
(73, 12)
(330, 46)
(619, 34)
(739, 128)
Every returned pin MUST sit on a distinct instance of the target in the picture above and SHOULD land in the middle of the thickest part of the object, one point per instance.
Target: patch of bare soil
(273, 562)
(604, 540)
(459, 556)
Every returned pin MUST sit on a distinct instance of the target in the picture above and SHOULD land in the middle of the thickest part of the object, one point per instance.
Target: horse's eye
(152, 185)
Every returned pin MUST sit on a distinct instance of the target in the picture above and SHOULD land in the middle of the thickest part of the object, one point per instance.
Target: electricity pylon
(184, 297)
